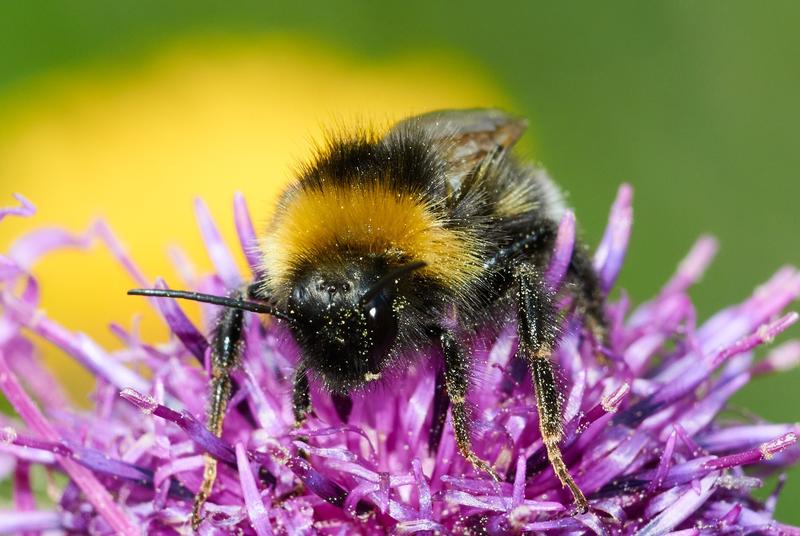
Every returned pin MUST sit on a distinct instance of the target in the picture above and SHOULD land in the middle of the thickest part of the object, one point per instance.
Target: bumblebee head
(346, 321)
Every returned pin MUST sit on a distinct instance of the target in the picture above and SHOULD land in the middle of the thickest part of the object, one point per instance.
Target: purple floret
(642, 437)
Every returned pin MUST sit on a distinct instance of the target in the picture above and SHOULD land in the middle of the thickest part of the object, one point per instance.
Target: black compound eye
(381, 321)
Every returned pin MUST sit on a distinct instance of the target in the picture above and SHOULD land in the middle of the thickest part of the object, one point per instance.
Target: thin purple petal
(26, 210)
(181, 326)
(252, 498)
(781, 359)
(196, 431)
(692, 268)
(117, 249)
(28, 249)
(247, 234)
(663, 465)
(610, 253)
(28, 522)
(424, 491)
(217, 250)
(562, 252)
(764, 452)
(24, 500)
(681, 509)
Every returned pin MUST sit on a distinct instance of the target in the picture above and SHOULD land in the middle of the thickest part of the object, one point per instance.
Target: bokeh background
(130, 109)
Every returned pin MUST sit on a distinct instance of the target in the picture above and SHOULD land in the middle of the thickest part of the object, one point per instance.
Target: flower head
(642, 433)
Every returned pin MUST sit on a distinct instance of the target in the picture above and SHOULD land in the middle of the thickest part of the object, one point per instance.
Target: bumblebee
(389, 243)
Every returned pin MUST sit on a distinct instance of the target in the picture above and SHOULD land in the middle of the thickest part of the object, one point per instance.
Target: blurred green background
(694, 103)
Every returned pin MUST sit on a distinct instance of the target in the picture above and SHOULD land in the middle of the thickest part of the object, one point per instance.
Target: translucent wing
(467, 137)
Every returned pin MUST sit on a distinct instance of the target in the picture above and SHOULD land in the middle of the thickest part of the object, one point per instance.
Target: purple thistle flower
(641, 436)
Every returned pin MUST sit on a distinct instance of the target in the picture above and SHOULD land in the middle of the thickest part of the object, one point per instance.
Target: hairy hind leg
(537, 319)
(456, 376)
(225, 353)
(587, 292)
(441, 402)
(581, 279)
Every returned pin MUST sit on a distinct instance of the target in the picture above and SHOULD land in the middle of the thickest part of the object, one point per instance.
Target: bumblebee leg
(587, 292)
(225, 350)
(537, 334)
(581, 277)
(301, 397)
(440, 404)
(343, 405)
(301, 405)
(456, 375)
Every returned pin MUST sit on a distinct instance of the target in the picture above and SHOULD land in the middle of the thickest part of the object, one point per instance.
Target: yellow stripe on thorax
(371, 219)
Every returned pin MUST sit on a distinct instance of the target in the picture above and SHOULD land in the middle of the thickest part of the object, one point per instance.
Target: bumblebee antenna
(234, 303)
(388, 278)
